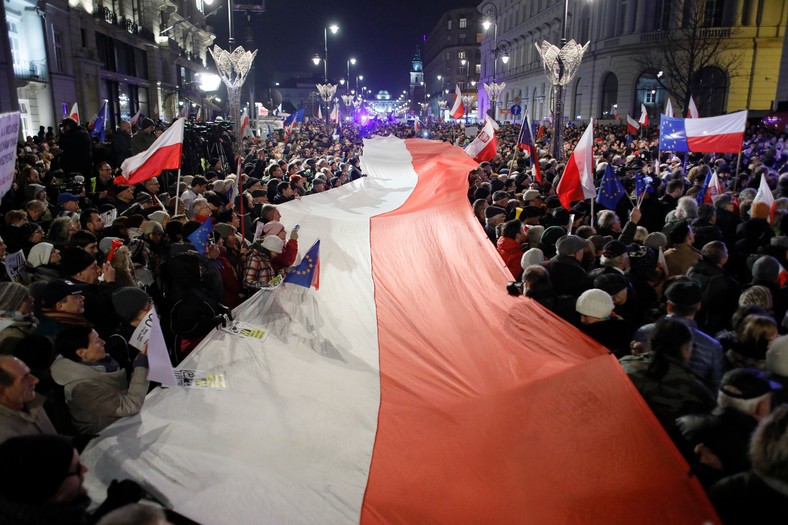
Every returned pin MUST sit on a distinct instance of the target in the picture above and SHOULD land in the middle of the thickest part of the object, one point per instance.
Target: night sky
(382, 35)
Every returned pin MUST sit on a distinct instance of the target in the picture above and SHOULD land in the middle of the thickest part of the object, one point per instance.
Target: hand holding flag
(199, 237)
(307, 273)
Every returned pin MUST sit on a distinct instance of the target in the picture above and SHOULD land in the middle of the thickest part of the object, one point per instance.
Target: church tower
(416, 79)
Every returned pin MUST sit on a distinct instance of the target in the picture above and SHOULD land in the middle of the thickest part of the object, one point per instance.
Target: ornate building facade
(637, 55)
(451, 56)
(139, 55)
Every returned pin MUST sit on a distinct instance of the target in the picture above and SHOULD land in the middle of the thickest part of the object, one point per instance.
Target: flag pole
(178, 192)
(738, 164)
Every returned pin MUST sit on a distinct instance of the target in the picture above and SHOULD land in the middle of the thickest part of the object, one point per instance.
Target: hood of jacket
(65, 371)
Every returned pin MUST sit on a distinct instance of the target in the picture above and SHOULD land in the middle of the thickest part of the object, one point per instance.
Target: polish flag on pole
(485, 145)
(643, 120)
(577, 183)
(74, 113)
(692, 110)
(764, 195)
(245, 131)
(163, 154)
(458, 109)
(319, 113)
(669, 109)
(135, 120)
(632, 125)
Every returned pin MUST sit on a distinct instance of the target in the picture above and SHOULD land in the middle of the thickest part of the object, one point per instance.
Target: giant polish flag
(485, 145)
(393, 396)
(163, 154)
(458, 109)
(577, 182)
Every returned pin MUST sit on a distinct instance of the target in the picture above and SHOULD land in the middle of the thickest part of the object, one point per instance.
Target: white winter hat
(777, 357)
(40, 254)
(595, 303)
(274, 244)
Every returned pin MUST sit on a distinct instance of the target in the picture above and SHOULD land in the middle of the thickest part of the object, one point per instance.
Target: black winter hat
(74, 260)
(129, 301)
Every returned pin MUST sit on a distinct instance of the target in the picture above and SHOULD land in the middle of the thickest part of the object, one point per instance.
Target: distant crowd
(690, 295)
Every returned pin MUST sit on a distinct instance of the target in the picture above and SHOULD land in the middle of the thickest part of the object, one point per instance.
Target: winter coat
(511, 252)
(567, 276)
(21, 326)
(32, 420)
(680, 258)
(720, 296)
(96, 398)
(748, 498)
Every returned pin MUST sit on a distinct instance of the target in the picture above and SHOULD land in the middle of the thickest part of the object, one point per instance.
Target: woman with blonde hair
(753, 338)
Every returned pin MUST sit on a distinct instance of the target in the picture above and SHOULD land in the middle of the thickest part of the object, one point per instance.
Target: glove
(219, 320)
(226, 311)
(119, 494)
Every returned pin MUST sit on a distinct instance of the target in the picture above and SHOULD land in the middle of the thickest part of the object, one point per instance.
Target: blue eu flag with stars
(672, 134)
(307, 273)
(199, 237)
(610, 189)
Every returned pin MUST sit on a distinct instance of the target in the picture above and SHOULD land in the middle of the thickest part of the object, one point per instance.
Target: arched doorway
(649, 93)
(709, 91)
(609, 95)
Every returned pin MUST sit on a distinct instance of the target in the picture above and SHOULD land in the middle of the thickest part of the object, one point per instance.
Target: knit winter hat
(272, 228)
(760, 210)
(777, 357)
(35, 467)
(40, 254)
(642, 259)
(158, 216)
(224, 229)
(758, 295)
(612, 283)
(532, 256)
(655, 240)
(129, 301)
(74, 260)
(12, 295)
(767, 268)
(105, 244)
(570, 244)
(494, 211)
(151, 227)
(273, 244)
(595, 303)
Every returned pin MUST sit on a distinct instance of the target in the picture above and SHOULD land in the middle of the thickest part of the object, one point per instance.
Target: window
(461, 85)
(461, 55)
(650, 97)
(712, 15)
(609, 94)
(463, 70)
(58, 41)
(463, 23)
(447, 55)
(448, 25)
(13, 38)
(461, 38)
(478, 69)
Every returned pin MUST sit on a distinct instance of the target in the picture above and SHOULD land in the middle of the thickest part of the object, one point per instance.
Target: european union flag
(307, 273)
(299, 115)
(199, 237)
(672, 134)
(703, 189)
(610, 189)
(100, 124)
(640, 185)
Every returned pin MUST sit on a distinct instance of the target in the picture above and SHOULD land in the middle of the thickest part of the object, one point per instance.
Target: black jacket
(568, 277)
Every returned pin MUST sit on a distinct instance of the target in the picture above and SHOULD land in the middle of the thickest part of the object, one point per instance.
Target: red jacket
(287, 257)
(512, 253)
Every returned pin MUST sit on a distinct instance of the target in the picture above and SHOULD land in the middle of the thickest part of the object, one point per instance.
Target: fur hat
(758, 295)
(595, 303)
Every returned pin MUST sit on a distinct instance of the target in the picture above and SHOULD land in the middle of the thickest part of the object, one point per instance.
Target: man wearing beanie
(765, 272)
(80, 267)
(144, 137)
(95, 385)
(44, 259)
(566, 273)
(132, 305)
(16, 313)
(494, 215)
(598, 321)
(707, 358)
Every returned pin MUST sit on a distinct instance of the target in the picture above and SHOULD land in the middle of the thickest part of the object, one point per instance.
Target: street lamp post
(316, 60)
(350, 61)
(499, 49)
(560, 66)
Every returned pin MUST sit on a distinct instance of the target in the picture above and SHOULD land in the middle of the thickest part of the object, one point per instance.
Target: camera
(514, 288)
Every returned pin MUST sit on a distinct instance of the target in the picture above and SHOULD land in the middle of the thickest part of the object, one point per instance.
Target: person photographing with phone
(290, 250)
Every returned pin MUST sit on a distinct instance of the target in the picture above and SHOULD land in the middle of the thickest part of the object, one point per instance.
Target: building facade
(452, 57)
(138, 55)
(638, 54)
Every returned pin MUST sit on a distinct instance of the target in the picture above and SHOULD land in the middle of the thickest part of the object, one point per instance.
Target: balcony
(32, 70)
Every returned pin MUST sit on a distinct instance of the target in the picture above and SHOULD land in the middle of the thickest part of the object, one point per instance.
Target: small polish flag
(577, 183)
(163, 154)
(74, 113)
(669, 109)
(692, 110)
(632, 125)
(643, 120)
(485, 145)
(458, 109)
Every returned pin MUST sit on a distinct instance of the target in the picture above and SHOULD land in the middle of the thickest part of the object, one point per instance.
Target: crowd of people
(690, 296)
